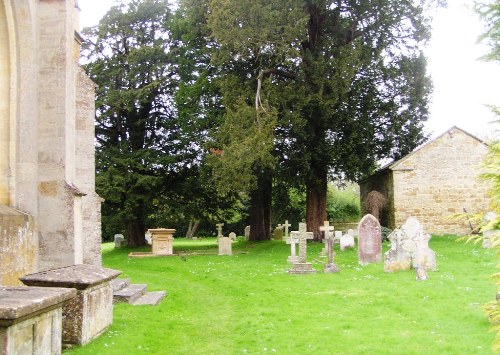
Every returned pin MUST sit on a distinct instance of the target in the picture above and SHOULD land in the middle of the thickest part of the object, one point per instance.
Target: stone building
(435, 181)
(49, 211)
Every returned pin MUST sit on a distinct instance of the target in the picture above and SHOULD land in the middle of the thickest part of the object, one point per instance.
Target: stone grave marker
(232, 236)
(330, 267)
(278, 233)
(327, 230)
(292, 240)
(302, 266)
(285, 226)
(148, 237)
(410, 249)
(119, 241)
(338, 234)
(219, 230)
(346, 242)
(247, 232)
(369, 240)
(225, 246)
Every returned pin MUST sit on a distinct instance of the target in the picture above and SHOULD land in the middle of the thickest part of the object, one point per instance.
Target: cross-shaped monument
(302, 266)
(286, 225)
(219, 229)
(327, 230)
(292, 240)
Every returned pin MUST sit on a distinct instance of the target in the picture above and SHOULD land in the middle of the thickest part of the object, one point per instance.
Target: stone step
(129, 293)
(150, 298)
(119, 284)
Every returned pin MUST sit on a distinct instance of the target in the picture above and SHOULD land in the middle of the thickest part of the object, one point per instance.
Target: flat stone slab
(21, 302)
(118, 284)
(150, 298)
(130, 293)
(80, 276)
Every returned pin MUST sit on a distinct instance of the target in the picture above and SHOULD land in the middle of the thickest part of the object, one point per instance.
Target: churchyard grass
(248, 304)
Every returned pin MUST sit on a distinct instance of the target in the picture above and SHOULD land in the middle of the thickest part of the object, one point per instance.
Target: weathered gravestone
(346, 241)
(327, 230)
(302, 266)
(278, 232)
(119, 241)
(410, 249)
(147, 236)
(219, 230)
(247, 232)
(293, 258)
(369, 240)
(232, 236)
(338, 234)
(225, 246)
(330, 266)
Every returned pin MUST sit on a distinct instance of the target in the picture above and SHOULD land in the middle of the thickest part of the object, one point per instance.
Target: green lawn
(247, 303)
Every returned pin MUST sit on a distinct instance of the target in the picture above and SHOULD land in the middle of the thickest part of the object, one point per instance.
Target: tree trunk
(135, 228)
(260, 208)
(316, 205)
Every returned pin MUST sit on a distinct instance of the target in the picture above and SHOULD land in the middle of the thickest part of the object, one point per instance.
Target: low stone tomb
(369, 240)
(225, 246)
(31, 319)
(120, 241)
(410, 249)
(346, 242)
(162, 241)
(302, 266)
(90, 313)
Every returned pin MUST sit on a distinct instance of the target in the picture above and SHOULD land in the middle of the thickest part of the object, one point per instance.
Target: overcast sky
(463, 85)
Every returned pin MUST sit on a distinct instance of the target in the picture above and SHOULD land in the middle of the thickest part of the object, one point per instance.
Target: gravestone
(369, 240)
(302, 266)
(147, 236)
(488, 234)
(327, 230)
(232, 236)
(330, 267)
(247, 232)
(219, 230)
(292, 240)
(225, 246)
(285, 226)
(338, 234)
(410, 249)
(119, 241)
(162, 241)
(278, 233)
(346, 242)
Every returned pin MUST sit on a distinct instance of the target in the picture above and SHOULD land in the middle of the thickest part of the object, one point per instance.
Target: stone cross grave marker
(327, 230)
(329, 237)
(292, 240)
(369, 240)
(302, 266)
(219, 229)
(286, 225)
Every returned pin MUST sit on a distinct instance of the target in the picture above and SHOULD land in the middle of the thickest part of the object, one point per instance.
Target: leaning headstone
(302, 266)
(247, 232)
(327, 230)
(119, 241)
(232, 236)
(346, 242)
(488, 234)
(410, 249)
(278, 233)
(219, 230)
(225, 247)
(369, 240)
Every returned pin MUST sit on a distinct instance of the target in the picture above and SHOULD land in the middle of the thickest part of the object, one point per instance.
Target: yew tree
(322, 88)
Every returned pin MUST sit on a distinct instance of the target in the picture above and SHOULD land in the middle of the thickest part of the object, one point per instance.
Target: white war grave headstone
(369, 240)
(410, 249)
(302, 266)
(327, 230)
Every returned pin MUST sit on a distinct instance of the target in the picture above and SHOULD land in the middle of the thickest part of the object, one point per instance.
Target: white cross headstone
(219, 229)
(302, 267)
(286, 225)
(292, 240)
(327, 230)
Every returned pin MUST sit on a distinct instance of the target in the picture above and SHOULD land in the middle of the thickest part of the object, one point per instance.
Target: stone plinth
(31, 319)
(162, 241)
(88, 314)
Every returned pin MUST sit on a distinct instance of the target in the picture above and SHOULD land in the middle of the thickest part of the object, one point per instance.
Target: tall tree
(138, 140)
(341, 82)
